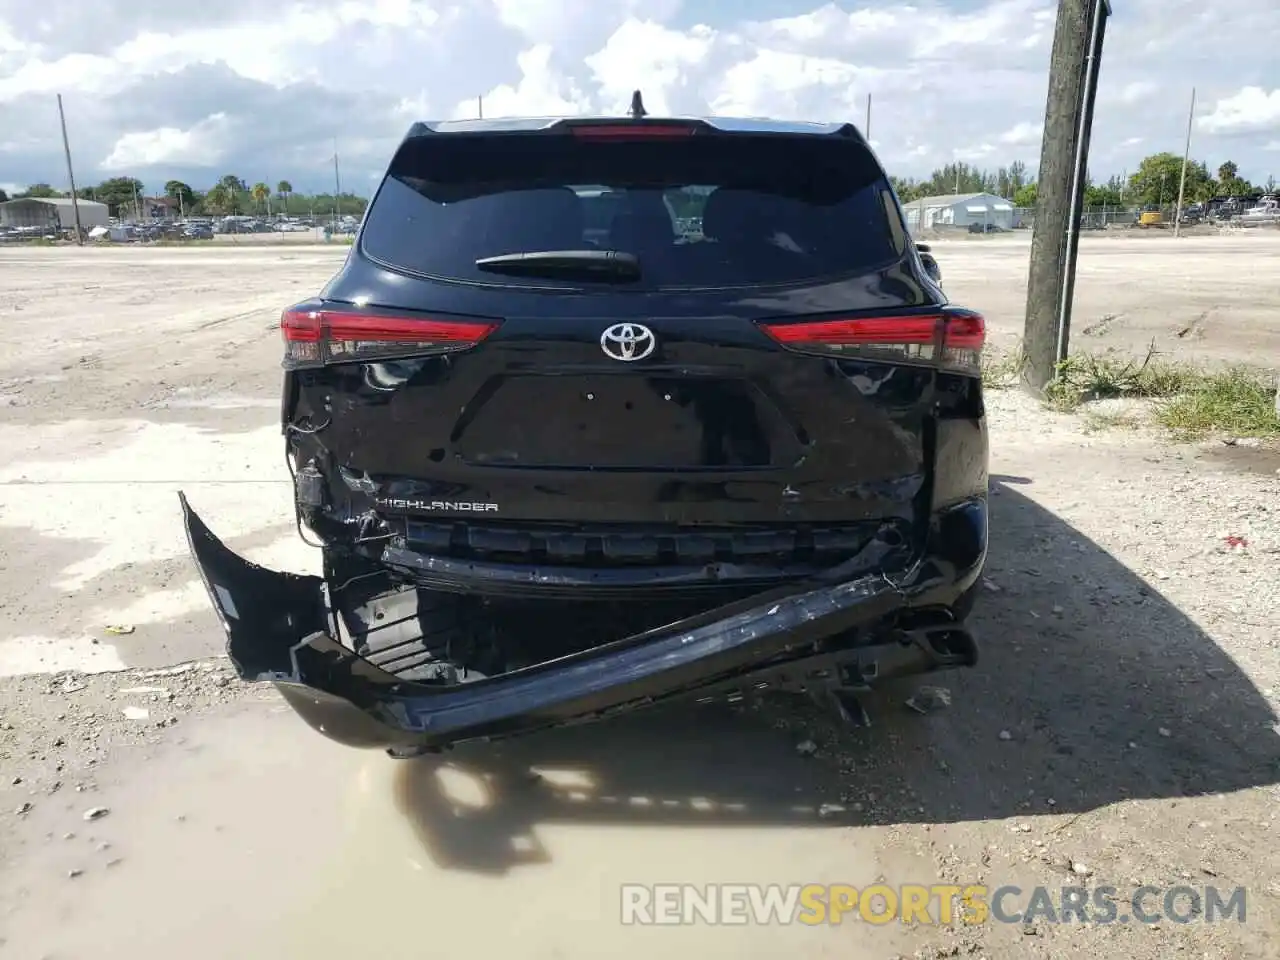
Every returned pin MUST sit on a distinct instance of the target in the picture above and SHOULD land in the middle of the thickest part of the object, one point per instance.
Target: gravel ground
(1120, 729)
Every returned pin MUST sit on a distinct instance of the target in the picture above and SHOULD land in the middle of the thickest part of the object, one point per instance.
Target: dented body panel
(282, 628)
(720, 425)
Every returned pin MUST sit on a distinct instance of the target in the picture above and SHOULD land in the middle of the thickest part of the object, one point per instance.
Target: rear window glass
(707, 210)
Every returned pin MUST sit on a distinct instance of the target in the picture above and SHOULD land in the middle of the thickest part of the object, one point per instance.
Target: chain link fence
(1110, 217)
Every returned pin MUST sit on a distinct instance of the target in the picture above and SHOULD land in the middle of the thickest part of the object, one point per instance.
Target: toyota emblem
(628, 341)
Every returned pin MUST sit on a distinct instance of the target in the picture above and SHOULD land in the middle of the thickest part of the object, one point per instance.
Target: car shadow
(1092, 689)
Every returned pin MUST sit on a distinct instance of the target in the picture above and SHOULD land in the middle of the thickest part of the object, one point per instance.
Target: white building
(52, 212)
(960, 210)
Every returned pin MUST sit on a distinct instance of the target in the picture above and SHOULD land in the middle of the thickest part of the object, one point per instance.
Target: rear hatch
(625, 329)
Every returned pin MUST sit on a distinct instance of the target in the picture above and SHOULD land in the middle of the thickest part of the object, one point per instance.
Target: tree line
(229, 196)
(1155, 181)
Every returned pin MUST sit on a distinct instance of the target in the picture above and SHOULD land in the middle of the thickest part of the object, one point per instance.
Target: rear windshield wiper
(607, 266)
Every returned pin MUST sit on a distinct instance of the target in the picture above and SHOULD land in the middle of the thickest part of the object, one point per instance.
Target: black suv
(604, 411)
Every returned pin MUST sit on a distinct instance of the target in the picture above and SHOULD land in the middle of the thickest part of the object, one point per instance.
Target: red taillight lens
(631, 131)
(951, 338)
(314, 337)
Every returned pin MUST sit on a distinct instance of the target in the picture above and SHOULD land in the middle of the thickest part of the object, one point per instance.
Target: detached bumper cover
(280, 630)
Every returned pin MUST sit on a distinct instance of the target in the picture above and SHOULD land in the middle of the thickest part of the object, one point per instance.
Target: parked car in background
(1192, 214)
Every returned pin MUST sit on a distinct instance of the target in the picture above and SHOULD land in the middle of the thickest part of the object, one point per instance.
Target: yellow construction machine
(1150, 216)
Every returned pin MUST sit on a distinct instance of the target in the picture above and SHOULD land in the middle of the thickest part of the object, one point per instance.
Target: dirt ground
(1120, 729)
(1209, 299)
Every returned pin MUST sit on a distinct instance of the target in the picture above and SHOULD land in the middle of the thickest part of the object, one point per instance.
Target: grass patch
(1187, 401)
(1087, 377)
(1235, 402)
(1001, 372)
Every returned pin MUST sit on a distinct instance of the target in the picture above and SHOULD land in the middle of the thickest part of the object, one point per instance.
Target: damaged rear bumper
(281, 628)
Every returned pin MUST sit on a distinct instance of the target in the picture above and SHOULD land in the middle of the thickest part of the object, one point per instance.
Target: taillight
(952, 338)
(631, 131)
(313, 337)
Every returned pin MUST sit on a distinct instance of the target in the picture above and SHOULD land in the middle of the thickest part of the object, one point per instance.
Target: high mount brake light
(314, 337)
(631, 131)
(951, 339)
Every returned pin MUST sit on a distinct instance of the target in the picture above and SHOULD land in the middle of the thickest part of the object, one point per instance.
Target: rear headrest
(653, 223)
(545, 219)
(732, 214)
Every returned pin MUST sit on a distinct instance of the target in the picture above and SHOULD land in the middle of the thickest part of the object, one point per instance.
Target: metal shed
(960, 210)
(54, 212)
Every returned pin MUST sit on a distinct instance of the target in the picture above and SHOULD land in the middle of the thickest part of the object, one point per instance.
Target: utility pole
(480, 107)
(1186, 156)
(71, 177)
(868, 130)
(337, 184)
(1078, 31)
(1080, 174)
(137, 206)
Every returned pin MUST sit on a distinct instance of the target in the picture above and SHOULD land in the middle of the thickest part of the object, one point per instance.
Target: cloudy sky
(159, 89)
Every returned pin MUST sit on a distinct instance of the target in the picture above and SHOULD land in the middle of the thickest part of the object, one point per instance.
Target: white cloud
(541, 92)
(261, 89)
(1250, 110)
(576, 30)
(977, 153)
(84, 73)
(1137, 91)
(773, 82)
(205, 141)
(645, 55)
(1024, 133)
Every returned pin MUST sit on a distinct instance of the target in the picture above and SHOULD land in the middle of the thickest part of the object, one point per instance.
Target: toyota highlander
(600, 412)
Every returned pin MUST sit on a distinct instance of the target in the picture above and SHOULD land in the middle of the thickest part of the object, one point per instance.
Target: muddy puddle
(257, 838)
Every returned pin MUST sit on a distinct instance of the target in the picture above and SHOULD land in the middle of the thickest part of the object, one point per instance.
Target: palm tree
(233, 186)
(285, 189)
(261, 193)
(219, 198)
